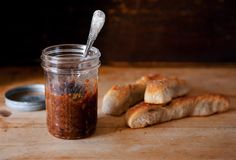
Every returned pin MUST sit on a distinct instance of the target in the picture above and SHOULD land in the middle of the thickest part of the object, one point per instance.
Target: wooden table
(23, 135)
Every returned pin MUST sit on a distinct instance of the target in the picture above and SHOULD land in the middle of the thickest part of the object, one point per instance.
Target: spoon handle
(97, 23)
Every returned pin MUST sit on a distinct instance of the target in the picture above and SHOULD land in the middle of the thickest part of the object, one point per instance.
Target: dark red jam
(71, 110)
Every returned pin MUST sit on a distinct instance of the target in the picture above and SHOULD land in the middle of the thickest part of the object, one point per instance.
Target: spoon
(98, 20)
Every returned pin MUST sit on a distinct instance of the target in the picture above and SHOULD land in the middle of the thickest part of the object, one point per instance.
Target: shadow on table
(110, 124)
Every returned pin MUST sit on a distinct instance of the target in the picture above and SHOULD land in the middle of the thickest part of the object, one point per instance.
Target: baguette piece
(162, 91)
(144, 114)
(120, 98)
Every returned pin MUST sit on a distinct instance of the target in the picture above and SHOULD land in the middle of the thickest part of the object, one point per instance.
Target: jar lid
(26, 98)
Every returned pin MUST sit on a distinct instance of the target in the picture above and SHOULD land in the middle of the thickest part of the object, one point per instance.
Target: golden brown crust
(120, 98)
(162, 91)
(144, 114)
(139, 109)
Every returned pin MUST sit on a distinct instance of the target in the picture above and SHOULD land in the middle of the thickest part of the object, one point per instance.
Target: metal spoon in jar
(98, 20)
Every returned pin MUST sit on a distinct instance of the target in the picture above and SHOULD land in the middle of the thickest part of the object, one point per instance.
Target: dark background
(135, 31)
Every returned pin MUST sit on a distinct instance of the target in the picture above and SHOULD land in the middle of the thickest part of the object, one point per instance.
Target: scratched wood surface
(23, 135)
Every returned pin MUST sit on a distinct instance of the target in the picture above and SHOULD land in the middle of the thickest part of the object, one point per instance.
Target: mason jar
(71, 90)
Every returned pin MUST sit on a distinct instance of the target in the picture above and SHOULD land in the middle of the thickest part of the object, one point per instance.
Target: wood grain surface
(23, 135)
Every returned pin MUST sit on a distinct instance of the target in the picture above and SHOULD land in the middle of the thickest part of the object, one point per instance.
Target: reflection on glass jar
(71, 90)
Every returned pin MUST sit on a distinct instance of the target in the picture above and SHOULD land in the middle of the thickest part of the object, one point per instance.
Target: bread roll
(121, 97)
(144, 114)
(162, 91)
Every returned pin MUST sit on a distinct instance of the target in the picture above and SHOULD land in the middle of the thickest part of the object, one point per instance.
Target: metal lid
(26, 98)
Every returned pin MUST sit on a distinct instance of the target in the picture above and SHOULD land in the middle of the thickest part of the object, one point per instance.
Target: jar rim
(78, 48)
(65, 58)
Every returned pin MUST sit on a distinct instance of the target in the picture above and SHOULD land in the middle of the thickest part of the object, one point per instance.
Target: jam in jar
(71, 90)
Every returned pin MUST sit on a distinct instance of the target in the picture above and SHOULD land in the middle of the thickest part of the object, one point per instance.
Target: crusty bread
(144, 114)
(162, 91)
(121, 97)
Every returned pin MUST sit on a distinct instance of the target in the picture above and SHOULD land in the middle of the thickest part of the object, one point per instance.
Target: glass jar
(71, 90)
